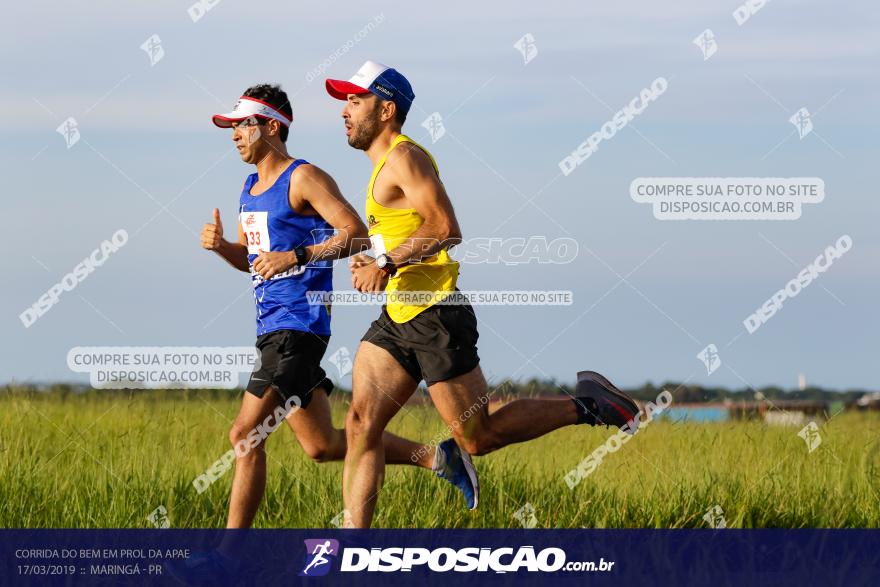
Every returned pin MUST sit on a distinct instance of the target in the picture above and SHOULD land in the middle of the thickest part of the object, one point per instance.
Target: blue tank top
(270, 224)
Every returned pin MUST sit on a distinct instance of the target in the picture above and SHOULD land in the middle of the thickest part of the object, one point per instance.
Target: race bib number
(255, 226)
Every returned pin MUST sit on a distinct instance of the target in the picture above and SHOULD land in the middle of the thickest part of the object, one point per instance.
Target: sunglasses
(250, 121)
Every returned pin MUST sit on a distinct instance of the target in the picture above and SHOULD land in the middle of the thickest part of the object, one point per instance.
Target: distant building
(783, 412)
(779, 412)
(869, 401)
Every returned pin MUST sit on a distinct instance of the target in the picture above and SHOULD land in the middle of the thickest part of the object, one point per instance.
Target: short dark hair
(399, 115)
(273, 95)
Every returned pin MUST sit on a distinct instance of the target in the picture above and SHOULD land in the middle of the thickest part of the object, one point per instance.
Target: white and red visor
(247, 107)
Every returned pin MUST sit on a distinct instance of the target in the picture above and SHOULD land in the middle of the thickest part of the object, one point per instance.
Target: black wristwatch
(385, 263)
(301, 256)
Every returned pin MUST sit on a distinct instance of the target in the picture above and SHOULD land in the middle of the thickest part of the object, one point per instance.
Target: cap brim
(226, 120)
(340, 89)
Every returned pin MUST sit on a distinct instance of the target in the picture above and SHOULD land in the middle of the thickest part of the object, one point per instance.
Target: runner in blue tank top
(269, 223)
(293, 223)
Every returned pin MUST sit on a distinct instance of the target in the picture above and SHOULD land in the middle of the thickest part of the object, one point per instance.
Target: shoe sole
(612, 389)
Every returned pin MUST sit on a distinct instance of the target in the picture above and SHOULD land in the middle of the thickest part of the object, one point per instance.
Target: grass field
(109, 460)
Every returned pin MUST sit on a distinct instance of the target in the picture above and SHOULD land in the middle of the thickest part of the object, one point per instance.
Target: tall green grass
(109, 460)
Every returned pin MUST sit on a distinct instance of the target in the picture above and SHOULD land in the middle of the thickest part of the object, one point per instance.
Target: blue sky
(147, 142)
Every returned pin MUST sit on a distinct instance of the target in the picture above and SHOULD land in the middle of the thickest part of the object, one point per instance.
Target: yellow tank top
(388, 228)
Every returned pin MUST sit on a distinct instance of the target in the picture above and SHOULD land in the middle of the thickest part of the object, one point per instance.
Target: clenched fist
(212, 234)
(270, 263)
(366, 275)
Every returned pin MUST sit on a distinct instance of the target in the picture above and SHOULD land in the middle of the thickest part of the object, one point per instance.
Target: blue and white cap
(378, 79)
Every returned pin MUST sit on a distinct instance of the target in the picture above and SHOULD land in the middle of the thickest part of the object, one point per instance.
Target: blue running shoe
(455, 465)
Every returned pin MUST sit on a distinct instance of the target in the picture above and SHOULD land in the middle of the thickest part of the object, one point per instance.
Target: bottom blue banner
(372, 557)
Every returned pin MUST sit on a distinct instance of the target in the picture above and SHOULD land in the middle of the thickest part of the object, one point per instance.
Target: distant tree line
(691, 393)
(505, 388)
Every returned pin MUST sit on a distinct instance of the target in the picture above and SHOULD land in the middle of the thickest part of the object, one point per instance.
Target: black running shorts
(438, 344)
(291, 361)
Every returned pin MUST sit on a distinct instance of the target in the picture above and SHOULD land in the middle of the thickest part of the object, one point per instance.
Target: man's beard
(363, 137)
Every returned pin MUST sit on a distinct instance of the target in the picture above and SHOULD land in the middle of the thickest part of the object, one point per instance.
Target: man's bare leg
(249, 481)
(380, 387)
(322, 442)
(481, 432)
(314, 429)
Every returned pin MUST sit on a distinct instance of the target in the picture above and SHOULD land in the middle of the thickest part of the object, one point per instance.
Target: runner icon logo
(318, 553)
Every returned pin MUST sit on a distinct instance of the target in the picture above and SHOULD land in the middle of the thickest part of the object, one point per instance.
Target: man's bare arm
(234, 253)
(312, 185)
(317, 188)
(411, 170)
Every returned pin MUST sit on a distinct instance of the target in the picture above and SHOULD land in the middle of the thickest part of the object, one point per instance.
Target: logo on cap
(384, 90)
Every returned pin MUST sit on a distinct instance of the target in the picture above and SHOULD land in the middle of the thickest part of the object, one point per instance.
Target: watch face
(381, 261)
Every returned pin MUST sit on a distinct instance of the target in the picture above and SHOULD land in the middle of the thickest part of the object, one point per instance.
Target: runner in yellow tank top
(389, 227)
(408, 206)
